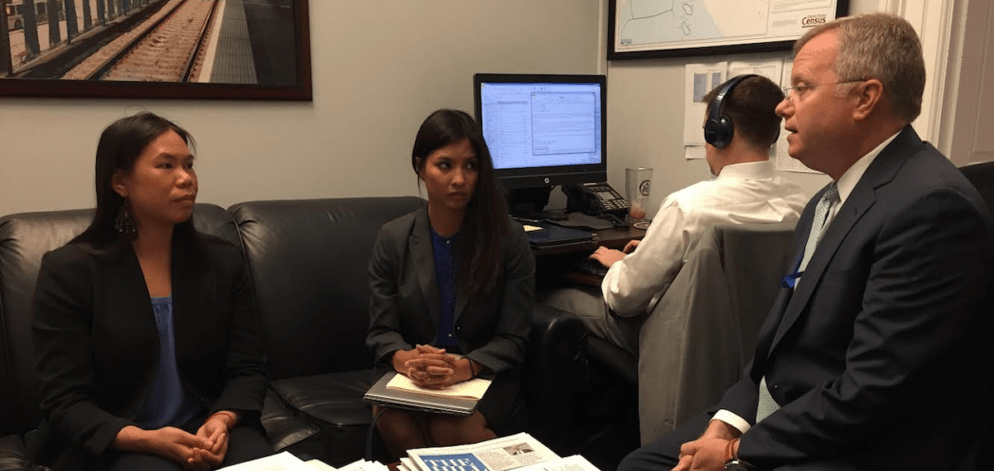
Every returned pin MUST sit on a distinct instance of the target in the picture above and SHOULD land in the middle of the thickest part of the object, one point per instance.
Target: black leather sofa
(308, 260)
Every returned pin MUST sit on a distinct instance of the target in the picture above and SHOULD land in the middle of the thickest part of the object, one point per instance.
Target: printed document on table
(363, 465)
(320, 465)
(499, 454)
(570, 463)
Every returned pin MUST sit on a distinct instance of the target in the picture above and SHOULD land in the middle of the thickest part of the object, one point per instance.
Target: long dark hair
(119, 148)
(478, 246)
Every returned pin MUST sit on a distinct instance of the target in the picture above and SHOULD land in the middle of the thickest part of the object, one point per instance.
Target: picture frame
(256, 50)
(654, 29)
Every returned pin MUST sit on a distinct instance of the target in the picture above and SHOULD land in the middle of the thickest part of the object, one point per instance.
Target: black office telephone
(595, 199)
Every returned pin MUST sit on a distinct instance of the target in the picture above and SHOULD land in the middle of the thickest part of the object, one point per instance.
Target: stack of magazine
(519, 452)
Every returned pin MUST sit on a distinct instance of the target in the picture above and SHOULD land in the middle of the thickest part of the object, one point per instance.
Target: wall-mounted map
(668, 28)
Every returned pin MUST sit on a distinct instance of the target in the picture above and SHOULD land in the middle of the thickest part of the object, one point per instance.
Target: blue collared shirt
(445, 275)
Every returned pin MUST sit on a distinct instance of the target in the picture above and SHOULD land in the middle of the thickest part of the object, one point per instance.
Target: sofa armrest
(283, 427)
(555, 374)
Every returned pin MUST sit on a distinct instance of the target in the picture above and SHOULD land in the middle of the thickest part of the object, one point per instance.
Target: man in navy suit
(873, 356)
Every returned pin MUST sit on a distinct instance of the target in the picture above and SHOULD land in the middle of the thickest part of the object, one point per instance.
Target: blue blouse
(445, 274)
(168, 404)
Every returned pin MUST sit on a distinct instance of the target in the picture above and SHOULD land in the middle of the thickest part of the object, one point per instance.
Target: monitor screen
(543, 130)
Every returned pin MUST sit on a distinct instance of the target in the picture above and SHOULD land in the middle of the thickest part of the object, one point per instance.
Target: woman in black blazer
(149, 351)
(452, 289)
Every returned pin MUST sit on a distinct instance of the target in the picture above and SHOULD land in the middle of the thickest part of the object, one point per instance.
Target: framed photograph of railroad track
(652, 29)
(180, 49)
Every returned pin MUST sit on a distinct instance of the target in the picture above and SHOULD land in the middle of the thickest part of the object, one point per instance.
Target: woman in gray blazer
(452, 289)
(149, 350)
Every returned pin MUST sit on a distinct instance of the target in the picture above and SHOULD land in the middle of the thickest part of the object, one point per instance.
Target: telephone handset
(595, 199)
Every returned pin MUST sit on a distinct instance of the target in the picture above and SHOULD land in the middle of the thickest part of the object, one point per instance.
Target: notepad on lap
(472, 389)
(379, 394)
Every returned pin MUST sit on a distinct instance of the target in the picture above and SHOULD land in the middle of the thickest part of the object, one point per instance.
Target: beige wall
(379, 68)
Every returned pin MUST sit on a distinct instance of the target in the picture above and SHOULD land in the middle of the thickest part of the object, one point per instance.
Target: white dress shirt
(743, 193)
(846, 184)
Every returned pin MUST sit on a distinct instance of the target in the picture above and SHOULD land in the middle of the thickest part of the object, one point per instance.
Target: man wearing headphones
(740, 127)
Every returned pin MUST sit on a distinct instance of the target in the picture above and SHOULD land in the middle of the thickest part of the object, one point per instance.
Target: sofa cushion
(308, 260)
(333, 398)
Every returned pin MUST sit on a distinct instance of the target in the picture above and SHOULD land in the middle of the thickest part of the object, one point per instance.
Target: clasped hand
(215, 433)
(707, 453)
(201, 452)
(431, 367)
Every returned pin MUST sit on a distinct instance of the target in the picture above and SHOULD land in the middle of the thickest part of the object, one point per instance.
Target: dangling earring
(125, 224)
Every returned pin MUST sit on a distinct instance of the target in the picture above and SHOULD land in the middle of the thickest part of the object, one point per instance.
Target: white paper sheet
(700, 79)
(363, 465)
(499, 454)
(695, 152)
(472, 389)
(771, 69)
(320, 465)
(570, 463)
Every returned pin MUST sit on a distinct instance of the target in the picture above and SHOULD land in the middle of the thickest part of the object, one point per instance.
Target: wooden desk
(549, 268)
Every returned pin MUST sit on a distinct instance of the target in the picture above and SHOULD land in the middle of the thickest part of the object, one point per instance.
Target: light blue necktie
(818, 223)
(767, 405)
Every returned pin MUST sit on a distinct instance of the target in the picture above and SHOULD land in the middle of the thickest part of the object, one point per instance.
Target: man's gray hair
(880, 46)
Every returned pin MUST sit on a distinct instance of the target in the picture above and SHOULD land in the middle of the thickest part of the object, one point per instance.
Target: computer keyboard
(586, 264)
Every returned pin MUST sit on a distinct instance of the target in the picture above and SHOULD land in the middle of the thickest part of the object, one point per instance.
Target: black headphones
(718, 129)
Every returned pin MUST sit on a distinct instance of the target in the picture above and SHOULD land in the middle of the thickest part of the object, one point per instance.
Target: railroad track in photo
(167, 47)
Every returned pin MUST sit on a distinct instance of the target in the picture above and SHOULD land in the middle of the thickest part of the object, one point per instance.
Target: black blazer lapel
(130, 310)
(125, 273)
(419, 245)
(879, 173)
(188, 307)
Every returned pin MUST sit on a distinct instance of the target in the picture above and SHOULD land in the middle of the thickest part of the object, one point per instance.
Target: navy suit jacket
(878, 357)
